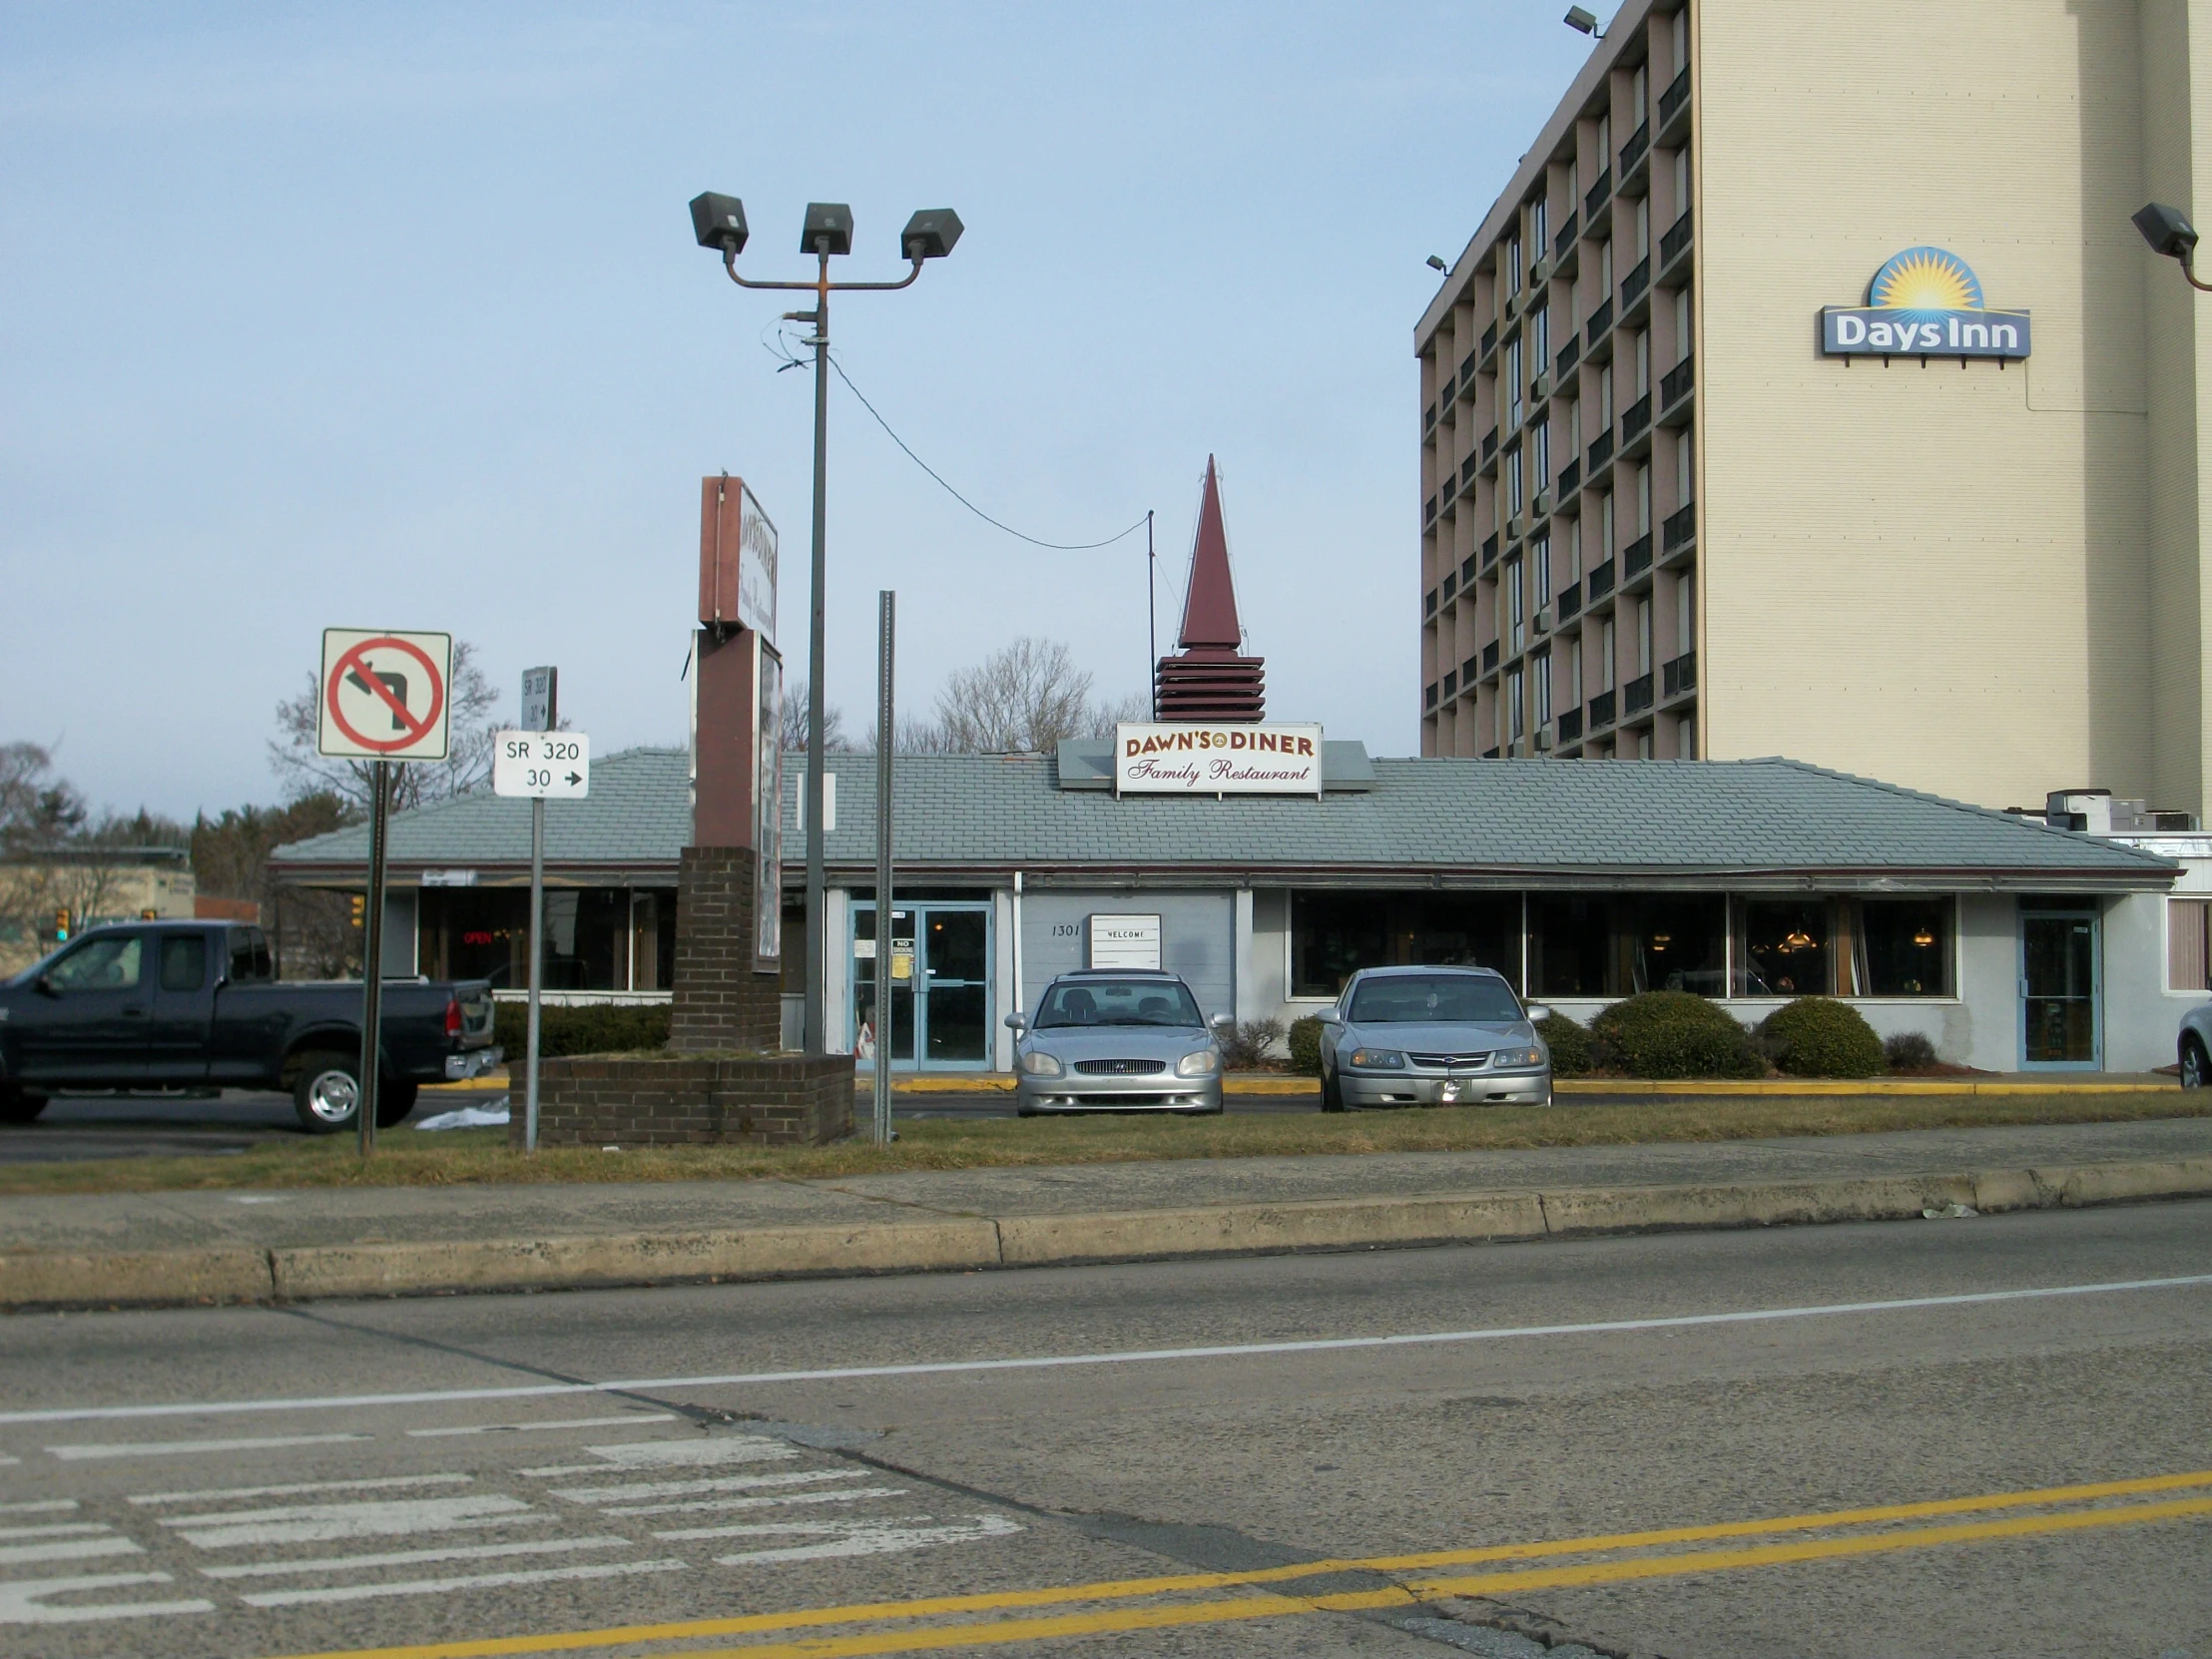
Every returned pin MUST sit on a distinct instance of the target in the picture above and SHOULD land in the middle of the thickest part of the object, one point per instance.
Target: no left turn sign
(384, 695)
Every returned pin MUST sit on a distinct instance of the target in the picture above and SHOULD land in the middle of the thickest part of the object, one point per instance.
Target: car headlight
(1519, 1057)
(1378, 1059)
(1037, 1063)
(1201, 1063)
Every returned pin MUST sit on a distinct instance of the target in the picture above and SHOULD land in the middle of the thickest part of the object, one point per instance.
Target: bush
(1673, 1034)
(1570, 1044)
(1304, 1041)
(1910, 1051)
(595, 1029)
(1817, 1036)
(1250, 1046)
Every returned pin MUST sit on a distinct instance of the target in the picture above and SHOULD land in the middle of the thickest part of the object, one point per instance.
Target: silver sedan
(1431, 1036)
(1117, 1040)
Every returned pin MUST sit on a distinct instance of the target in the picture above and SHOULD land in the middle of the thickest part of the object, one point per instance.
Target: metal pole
(372, 963)
(537, 971)
(887, 633)
(1151, 617)
(817, 954)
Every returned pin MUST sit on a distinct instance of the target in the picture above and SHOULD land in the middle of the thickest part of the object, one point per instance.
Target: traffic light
(61, 926)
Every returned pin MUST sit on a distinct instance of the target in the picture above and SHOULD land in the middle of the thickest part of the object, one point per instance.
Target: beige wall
(1939, 577)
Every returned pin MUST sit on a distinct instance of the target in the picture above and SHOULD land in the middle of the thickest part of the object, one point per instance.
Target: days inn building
(1807, 391)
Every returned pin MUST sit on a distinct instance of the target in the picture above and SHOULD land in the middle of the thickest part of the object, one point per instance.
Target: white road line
(66, 1549)
(538, 1427)
(44, 1506)
(443, 1586)
(851, 1496)
(662, 1455)
(650, 1489)
(381, 1483)
(851, 1538)
(5, 1458)
(412, 1557)
(1128, 1357)
(23, 1600)
(317, 1523)
(66, 1529)
(178, 1449)
(694, 1505)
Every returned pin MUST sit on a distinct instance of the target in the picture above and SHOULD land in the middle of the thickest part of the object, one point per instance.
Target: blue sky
(389, 315)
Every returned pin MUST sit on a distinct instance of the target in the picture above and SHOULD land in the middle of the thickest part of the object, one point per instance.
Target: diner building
(2008, 943)
(1807, 391)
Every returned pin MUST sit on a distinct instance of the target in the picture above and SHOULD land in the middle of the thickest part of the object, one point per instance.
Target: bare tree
(465, 768)
(55, 857)
(794, 723)
(1021, 698)
(1104, 717)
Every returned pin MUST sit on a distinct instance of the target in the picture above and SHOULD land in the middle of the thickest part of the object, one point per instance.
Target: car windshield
(1435, 1000)
(1118, 1002)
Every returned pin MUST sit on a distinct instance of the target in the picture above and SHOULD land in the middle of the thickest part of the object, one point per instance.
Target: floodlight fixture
(1583, 22)
(930, 233)
(718, 222)
(827, 223)
(2170, 233)
(1435, 263)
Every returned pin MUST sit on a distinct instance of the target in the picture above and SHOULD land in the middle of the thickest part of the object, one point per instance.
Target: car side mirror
(1017, 1023)
(1537, 1013)
(44, 985)
(1223, 1023)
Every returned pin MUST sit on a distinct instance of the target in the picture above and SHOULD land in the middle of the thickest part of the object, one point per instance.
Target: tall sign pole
(381, 697)
(540, 696)
(887, 633)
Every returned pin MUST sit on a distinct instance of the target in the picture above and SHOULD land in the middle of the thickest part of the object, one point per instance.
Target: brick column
(720, 1000)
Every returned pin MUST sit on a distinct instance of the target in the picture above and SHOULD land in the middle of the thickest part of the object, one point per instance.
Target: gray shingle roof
(1469, 819)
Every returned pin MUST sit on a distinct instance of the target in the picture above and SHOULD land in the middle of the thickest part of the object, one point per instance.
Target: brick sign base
(721, 999)
(791, 1100)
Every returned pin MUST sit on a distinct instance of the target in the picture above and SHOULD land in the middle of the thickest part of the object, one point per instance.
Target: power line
(1054, 546)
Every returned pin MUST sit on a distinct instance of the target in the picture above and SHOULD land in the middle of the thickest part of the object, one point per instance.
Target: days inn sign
(1924, 302)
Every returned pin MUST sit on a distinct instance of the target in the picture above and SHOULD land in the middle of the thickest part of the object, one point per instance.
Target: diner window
(1334, 934)
(2188, 956)
(1676, 943)
(1785, 948)
(1899, 947)
(1569, 946)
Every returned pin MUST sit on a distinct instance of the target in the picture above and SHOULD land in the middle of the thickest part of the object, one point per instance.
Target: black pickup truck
(194, 1005)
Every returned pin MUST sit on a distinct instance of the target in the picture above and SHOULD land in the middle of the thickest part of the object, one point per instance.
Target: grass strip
(467, 1156)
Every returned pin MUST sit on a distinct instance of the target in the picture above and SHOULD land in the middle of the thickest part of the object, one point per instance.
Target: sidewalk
(182, 1247)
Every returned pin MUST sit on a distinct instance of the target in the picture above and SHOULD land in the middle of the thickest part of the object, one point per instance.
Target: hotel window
(1516, 497)
(1513, 262)
(1681, 183)
(1685, 612)
(1605, 526)
(1513, 381)
(1685, 469)
(1605, 270)
(1643, 745)
(1643, 634)
(1643, 362)
(1643, 225)
(1681, 323)
(1539, 337)
(1540, 455)
(1685, 738)
(2188, 962)
(1643, 502)
(1539, 669)
(1574, 677)
(1539, 569)
(1682, 40)
(1608, 652)
(1604, 142)
(1639, 93)
(1574, 551)
(1605, 397)
(1515, 607)
(1516, 709)
(1538, 226)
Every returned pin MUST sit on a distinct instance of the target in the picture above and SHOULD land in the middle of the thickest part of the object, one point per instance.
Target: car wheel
(20, 1105)
(328, 1094)
(394, 1102)
(2196, 1070)
(1332, 1093)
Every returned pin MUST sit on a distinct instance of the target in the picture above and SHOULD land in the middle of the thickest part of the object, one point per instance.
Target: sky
(390, 315)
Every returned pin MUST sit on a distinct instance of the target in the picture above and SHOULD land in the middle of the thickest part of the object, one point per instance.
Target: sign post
(381, 697)
(539, 763)
(886, 632)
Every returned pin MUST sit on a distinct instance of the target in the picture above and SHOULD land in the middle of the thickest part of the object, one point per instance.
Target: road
(1674, 1445)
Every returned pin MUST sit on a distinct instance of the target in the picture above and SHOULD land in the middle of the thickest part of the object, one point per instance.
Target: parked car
(194, 1004)
(1117, 1040)
(1431, 1036)
(2195, 1044)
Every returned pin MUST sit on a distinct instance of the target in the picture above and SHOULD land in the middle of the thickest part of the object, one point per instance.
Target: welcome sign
(1193, 758)
(1924, 303)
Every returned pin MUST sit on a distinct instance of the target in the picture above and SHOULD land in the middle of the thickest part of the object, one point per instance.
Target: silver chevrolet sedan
(1431, 1036)
(1117, 1040)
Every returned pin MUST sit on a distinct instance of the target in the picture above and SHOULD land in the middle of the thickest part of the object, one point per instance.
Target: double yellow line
(1413, 1589)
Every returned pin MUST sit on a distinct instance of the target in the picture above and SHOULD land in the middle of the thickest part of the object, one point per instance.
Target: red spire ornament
(1210, 679)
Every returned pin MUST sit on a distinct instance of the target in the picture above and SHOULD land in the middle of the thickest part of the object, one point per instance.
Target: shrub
(1817, 1036)
(1304, 1041)
(1570, 1044)
(1249, 1046)
(1910, 1051)
(594, 1028)
(1673, 1034)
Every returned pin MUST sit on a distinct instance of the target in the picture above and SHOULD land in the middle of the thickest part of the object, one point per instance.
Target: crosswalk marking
(413, 1557)
(384, 1482)
(314, 1523)
(177, 1448)
(48, 1506)
(709, 1506)
(851, 1494)
(444, 1586)
(538, 1427)
(846, 1539)
(23, 1600)
(650, 1489)
(64, 1530)
(67, 1549)
(661, 1454)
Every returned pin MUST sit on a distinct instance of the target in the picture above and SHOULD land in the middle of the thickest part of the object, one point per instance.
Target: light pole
(2170, 231)
(719, 221)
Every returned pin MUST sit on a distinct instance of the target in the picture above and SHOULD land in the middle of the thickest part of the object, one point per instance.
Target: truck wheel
(328, 1094)
(20, 1105)
(394, 1102)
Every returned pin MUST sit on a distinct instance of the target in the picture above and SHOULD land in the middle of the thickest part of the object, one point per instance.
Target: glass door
(956, 985)
(869, 966)
(2061, 971)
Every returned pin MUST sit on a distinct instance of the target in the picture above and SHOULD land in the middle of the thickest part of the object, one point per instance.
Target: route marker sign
(542, 766)
(382, 695)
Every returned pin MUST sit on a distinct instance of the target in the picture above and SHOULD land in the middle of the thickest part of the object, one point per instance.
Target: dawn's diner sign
(1199, 758)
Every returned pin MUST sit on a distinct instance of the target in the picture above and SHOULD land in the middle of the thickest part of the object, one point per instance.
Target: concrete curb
(972, 1242)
